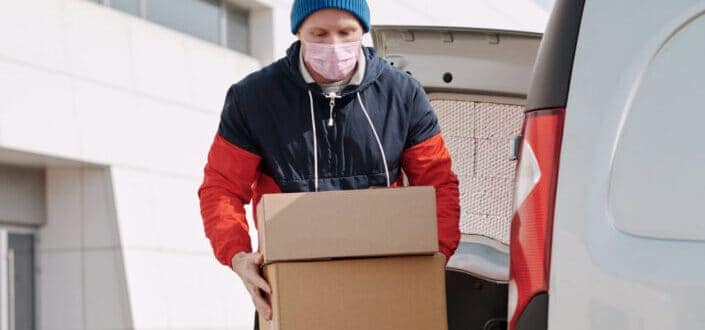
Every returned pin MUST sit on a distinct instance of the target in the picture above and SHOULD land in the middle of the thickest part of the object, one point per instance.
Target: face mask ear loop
(315, 143)
(379, 142)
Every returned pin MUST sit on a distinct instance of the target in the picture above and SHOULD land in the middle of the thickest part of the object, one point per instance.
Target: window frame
(223, 6)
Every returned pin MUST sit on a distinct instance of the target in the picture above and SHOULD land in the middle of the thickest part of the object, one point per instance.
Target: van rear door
(477, 81)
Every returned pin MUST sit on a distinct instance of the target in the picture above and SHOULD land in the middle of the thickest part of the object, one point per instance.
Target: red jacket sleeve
(428, 163)
(226, 188)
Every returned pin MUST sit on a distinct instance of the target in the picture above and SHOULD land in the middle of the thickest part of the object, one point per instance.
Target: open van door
(477, 81)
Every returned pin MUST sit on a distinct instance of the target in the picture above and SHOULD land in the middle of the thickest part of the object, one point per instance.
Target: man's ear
(301, 41)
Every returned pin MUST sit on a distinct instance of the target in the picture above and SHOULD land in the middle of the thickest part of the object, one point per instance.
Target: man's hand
(246, 265)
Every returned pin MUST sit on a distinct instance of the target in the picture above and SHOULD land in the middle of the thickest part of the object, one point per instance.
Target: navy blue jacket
(265, 144)
(268, 113)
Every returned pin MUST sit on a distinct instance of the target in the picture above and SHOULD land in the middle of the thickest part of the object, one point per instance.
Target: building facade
(107, 111)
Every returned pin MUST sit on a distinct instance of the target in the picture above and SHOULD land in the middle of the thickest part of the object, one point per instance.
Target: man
(330, 115)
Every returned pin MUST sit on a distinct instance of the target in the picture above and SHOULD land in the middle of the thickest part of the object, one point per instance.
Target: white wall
(123, 247)
(81, 282)
(134, 106)
(94, 84)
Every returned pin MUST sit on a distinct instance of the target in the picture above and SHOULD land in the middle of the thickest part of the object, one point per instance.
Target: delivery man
(330, 115)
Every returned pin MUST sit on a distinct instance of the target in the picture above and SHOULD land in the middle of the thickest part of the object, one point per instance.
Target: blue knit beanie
(303, 8)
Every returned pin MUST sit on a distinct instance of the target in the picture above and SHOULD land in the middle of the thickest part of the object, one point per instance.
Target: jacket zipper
(331, 96)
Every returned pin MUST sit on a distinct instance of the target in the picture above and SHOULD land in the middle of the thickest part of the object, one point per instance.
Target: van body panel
(658, 139)
(603, 277)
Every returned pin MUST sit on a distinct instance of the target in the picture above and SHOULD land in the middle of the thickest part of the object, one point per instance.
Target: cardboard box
(394, 293)
(347, 223)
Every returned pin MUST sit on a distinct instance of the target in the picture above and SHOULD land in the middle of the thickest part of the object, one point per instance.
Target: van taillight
(534, 204)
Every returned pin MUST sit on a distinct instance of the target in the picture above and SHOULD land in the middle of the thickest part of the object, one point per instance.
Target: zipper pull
(332, 96)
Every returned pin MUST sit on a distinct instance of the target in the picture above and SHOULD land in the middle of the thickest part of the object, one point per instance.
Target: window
(211, 20)
(195, 17)
(128, 6)
(18, 247)
(237, 31)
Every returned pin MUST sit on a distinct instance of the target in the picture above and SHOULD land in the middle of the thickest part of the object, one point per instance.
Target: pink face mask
(332, 61)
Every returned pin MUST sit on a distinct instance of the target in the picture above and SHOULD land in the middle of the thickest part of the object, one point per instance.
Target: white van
(606, 226)
(609, 232)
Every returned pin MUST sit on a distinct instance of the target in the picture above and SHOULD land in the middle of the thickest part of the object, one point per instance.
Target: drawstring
(315, 143)
(315, 138)
(379, 142)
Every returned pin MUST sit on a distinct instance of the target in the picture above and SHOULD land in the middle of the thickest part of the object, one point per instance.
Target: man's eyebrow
(346, 26)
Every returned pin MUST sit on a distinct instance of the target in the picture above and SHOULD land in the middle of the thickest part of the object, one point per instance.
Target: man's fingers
(247, 268)
(253, 278)
(261, 304)
(253, 290)
(258, 258)
(261, 283)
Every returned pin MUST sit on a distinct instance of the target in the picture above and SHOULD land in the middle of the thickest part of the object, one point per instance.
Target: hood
(290, 65)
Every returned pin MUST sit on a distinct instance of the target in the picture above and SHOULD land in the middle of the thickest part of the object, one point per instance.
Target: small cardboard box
(391, 293)
(347, 223)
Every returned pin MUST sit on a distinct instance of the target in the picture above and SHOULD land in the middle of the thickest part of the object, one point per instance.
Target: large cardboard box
(347, 223)
(393, 293)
